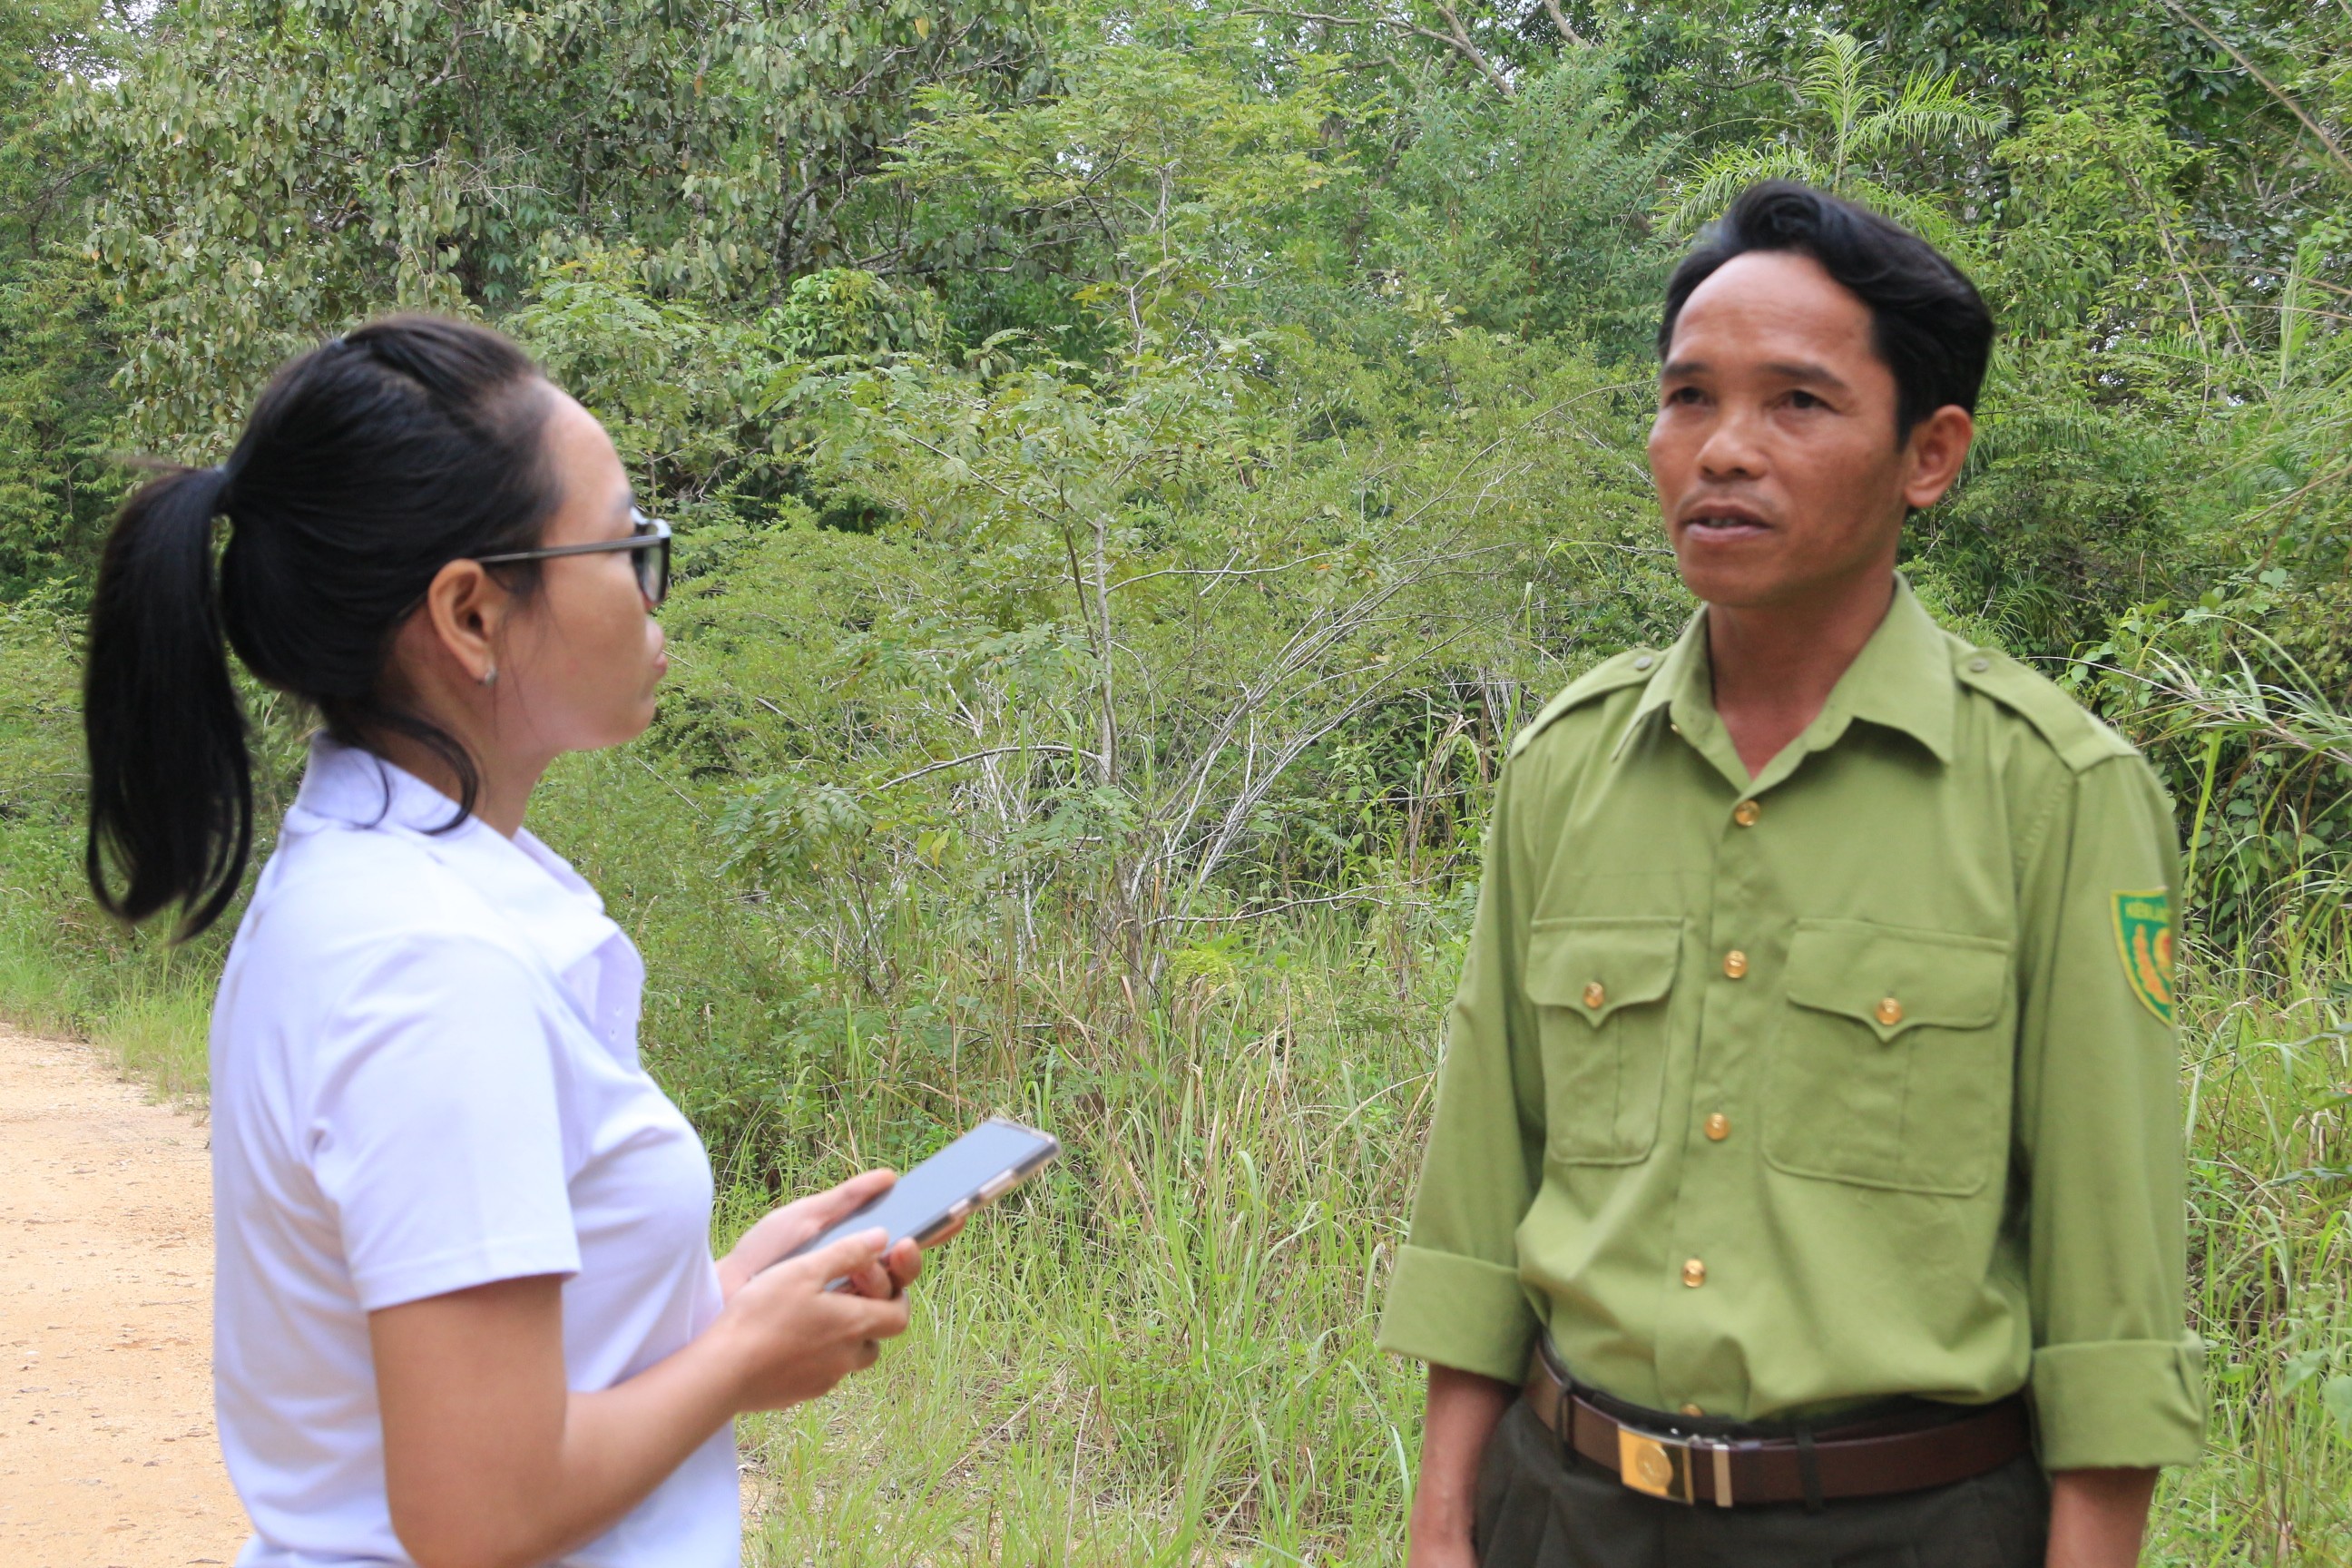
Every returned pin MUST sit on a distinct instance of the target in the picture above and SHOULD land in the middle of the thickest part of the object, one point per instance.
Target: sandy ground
(107, 1454)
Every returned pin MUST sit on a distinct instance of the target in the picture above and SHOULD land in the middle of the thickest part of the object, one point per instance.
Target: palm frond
(1711, 186)
(1835, 80)
(1928, 108)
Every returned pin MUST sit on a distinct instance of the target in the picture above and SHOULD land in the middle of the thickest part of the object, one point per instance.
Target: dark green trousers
(1535, 1511)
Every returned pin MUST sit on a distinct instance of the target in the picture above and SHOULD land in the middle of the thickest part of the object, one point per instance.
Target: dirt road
(106, 1455)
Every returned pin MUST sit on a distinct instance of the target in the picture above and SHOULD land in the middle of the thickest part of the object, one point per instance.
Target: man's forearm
(1464, 1410)
(2097, 1518)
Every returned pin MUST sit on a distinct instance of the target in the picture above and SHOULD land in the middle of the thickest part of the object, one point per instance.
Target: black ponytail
(171, 789)
(367, 465)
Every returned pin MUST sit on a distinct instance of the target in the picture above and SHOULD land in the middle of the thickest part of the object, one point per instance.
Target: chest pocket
(1893, 1064)
(1600, 988)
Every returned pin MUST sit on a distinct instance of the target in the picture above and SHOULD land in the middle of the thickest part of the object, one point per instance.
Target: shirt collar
(1681, 677)
(1902, 679)
(552, 909)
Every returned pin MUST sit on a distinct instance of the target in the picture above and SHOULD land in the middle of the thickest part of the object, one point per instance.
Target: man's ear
(1933, 454)
(466, 608)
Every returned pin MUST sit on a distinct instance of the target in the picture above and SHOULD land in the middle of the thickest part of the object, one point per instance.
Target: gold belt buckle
(1662, 1467)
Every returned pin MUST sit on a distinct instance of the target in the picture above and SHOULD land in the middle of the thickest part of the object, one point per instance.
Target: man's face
(1774, 452)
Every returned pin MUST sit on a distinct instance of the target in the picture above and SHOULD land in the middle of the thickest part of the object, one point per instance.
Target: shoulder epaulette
(1631, 667)
(2072, 730)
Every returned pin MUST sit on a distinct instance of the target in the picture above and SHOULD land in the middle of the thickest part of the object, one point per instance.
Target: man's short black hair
(1929, 322)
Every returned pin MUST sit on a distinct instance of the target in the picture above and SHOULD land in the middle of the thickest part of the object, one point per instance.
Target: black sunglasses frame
(652, 540)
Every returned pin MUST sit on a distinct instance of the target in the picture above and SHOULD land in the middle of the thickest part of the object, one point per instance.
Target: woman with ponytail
(466, 1312)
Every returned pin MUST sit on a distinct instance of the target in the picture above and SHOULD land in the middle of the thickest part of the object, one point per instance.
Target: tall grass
(1161, 1353)
(2268, 1069)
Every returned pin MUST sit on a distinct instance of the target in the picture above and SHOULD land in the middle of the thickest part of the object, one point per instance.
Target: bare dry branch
(1052, 746)
(1456, 38)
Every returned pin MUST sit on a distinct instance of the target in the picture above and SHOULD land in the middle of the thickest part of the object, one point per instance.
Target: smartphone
(975, 1171)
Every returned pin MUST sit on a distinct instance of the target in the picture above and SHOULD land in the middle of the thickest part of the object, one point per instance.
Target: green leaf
(2336, 1395)
(2301, 1368)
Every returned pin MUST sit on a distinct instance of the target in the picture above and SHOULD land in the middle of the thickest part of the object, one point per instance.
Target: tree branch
(1471, 52)
(1053, 746)
(2334, 150)
(1458, 38)
(1568, 34)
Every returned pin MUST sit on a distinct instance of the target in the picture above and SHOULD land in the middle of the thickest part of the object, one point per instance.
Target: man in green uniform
(1806, 1179)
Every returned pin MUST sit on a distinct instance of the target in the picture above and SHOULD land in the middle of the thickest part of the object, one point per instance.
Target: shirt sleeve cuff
(1459, 1312)
(2129, 1404)
(462, 1269)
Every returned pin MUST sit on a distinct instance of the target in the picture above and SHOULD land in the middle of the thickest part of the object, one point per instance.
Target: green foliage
(1856, 128)
(58, 349)
(1527, 214)
(1156, 178)
(1138, 620)
(279, 172)
(2240, 724)
(2095, 177)
(57, 356)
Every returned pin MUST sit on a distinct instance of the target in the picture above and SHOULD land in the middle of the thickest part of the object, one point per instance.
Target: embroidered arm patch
(2143, 942)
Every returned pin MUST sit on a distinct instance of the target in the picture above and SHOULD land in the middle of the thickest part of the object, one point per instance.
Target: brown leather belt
(1859, 1458)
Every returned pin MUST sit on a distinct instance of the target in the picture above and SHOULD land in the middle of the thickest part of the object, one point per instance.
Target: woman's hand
(790, 1339)
(787, 1227)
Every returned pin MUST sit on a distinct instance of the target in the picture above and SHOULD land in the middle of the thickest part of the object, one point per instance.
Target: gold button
(1719, 1127)
(1747, 811)
(1890, 1011)
(1596, 995)
(1693, 1410)
(1694, 1273)
(1735, 965)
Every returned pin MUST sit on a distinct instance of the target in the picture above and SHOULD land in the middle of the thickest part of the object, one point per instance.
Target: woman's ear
(1932, 456)
(466, 609)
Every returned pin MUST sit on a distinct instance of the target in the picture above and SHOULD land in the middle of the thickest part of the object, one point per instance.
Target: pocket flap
(1894, 979)
(1595, 967)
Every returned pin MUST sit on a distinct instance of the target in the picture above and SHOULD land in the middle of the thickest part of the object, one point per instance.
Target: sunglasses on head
(648, 537)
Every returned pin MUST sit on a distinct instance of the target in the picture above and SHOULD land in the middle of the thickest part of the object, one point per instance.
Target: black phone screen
(975, 1170)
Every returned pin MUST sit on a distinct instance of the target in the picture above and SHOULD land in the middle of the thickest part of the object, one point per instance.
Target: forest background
(1135, 465)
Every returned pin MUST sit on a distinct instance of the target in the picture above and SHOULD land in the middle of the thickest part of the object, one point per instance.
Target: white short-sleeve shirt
(424, 1077)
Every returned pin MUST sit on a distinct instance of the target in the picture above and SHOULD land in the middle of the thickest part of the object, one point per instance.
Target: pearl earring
(491, 676)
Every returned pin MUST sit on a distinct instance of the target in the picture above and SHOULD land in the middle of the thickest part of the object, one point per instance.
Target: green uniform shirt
(1855, 1079)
